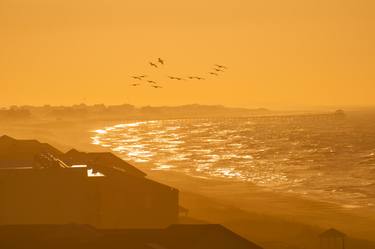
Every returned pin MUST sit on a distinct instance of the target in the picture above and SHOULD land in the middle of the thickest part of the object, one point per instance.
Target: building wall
(61, 196)
(51, 196)
(132, 202)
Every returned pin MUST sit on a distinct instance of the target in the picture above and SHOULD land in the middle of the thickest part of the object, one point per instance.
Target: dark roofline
(7, 137)
(119, 165)
(35, 141)
(131, 168)
(332, 233)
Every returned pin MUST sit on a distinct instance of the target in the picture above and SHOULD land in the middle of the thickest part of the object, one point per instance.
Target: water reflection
(322, 160)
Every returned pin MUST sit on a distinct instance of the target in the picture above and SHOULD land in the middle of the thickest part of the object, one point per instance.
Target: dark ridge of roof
(72, 152)
(31, 144)
(51, 148)
(333, 233)
(22, 153)
(118, 162)
(16, 153)
(6, 138)
(102, 161)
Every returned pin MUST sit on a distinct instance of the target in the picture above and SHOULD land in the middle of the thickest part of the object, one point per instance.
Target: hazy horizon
(267, 107)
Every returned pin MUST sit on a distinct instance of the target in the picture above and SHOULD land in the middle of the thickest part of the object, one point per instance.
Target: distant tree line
(14, 113)
(125, 111)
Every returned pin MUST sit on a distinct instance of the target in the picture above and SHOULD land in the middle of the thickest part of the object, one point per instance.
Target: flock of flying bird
(217, 69)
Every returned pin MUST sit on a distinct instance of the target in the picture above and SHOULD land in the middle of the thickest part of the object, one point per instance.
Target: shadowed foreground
(84, 236)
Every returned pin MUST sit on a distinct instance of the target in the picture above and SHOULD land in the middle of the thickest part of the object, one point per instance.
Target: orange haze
(280, 52)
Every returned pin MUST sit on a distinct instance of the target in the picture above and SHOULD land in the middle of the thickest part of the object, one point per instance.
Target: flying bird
(175, 78)
(156, 86)
(214, 73)
(172, 77)
(137, 77)
(135, 84)
(221, 66)
(218, 70)
(153, 64)
(161, 61)
(195, 78)
(151, 82)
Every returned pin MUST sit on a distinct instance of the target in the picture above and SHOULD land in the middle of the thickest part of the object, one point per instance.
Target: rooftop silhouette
(41, 185)
(332, 233)
(332, 239)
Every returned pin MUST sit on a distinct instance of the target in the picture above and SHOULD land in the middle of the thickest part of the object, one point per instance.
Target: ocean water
(324, 158)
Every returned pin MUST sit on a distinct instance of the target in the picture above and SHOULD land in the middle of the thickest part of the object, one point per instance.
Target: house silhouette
(42, 185)
(332, 239)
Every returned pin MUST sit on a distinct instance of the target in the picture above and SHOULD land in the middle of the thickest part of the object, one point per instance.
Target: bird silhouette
(135, 84)
(156, 86)
(161, 61)
(218, 70)
(137, 77)
(151, 82)
(213, 73)
(153, 64)
(221, 66)
(195, 78)
(175, 78)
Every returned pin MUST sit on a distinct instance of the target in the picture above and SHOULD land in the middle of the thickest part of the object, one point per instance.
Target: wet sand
(258, 201)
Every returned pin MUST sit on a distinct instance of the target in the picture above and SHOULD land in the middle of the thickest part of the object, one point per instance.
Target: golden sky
(279, 52)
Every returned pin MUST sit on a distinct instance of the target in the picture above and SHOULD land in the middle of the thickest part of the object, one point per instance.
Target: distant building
(332, 239)
(41, 185)
(339, 113)
(73, 236)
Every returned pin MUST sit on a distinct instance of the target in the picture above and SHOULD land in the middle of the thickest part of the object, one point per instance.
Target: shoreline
(260, 201)
(240, 206)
